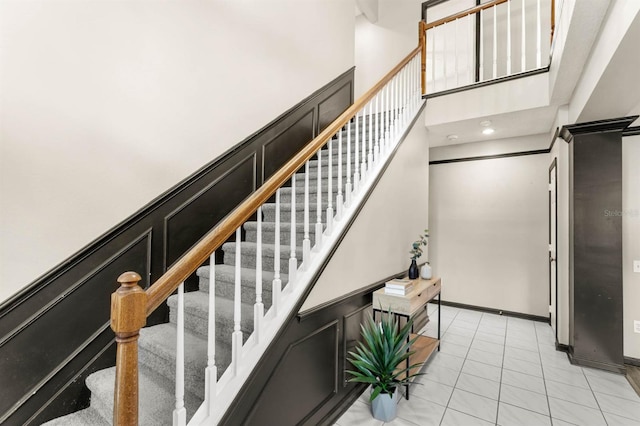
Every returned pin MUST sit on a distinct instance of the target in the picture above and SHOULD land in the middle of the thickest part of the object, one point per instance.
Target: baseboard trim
(495, 311)
(632, 361)
(561, 347)
(615, 368)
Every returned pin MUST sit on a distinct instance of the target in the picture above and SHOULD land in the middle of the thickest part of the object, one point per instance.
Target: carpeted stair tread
(156, 401)
(158, 353)
(248, 254)
(268, 232)
(86, 417)
(196, 312)
(225, 281)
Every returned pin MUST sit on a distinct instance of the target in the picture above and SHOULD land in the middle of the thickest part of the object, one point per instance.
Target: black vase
(413, 270)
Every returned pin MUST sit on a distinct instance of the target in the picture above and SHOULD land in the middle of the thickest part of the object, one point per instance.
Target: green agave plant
(380, 360)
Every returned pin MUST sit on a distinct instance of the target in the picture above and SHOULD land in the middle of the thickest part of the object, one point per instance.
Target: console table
(413, 306)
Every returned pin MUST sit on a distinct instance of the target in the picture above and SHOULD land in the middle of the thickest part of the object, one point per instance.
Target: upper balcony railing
(488, 42)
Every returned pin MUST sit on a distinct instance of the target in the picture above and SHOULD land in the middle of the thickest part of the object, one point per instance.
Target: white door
(553, 230)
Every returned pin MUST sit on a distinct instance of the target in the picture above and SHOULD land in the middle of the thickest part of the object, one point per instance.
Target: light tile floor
(498, 370)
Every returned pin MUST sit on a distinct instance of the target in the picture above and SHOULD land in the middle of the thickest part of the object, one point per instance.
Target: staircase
(157, 347)
(192, 368)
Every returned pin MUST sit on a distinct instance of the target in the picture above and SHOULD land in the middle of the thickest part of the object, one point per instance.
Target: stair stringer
(220, 396)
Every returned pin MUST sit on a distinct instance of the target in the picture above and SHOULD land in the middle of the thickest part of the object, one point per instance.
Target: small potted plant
(380, 360)
(416, 252)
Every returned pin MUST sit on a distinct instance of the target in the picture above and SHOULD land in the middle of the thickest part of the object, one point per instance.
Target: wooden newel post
(128, 316)
(422, 37)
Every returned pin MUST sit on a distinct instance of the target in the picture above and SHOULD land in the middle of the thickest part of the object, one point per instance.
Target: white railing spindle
(211, 375)
(538, 36)
(180, 412)
(330, 187)
(471, 54)
(318, 243)
(524, 38)
(293, 262)
(339, 197)
(371, 118)
(347, 190)
(433, 59)
(236, 337)
(363, 166)
(356, 175)
(455, 50)
(258, 307)
(509, 37)
(481, 53)
(495, 42)
(306, 242)
(276, 284)
(376, 150)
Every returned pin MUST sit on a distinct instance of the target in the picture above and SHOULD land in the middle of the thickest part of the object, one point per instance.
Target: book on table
(400, 287)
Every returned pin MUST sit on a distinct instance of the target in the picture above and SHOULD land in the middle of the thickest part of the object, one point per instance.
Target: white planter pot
(385, 406)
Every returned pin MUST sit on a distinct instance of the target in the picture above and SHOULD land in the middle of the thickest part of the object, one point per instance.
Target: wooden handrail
(186, 265)
(462, 14)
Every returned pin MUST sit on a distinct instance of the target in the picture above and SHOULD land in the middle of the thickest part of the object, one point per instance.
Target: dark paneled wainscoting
(56, 331)
(302, 379)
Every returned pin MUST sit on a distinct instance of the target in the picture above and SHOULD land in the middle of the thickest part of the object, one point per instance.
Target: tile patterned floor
(497, 370)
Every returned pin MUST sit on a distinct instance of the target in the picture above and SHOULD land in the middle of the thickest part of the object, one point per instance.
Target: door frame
(553, 172)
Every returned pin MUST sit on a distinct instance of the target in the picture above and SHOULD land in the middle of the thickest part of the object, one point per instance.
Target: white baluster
(339, 197)
(524, 38)
(443, 28)
(455, 50)
(330, 187)
(392, 112)
(509, 37)
(403, 96)
(433, 60)
(363, 166)
(396, 106)
(293, 262)
(211, 373)
(371, 118)
(376, 150)
(258, 307)
(495, 43)
(538, 37)
(471, 53)
(318, 243)
(481, 53)
(276, 285)
(356, 175)
(180, 412)
(387, 134)
(306, 242)
(347, 190)
(236, 337)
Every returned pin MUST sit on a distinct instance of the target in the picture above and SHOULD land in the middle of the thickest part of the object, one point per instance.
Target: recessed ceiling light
(452, 137)
(488, 131)
(485, 123)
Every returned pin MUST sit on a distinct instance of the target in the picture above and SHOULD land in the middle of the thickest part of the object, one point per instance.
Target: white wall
(107, 104)
(380, 46)
(488, 226)
(631, 242)
(378, 243)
